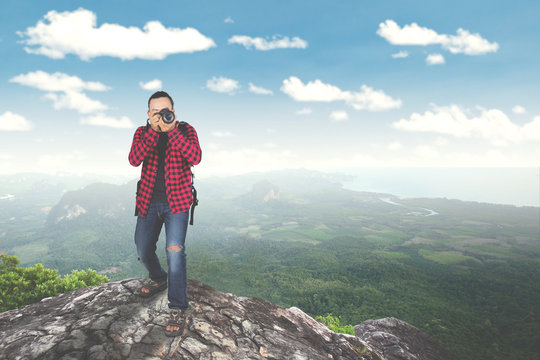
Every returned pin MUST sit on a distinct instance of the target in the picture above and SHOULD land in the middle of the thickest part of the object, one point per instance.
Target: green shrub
(22, 286)
(333, 323)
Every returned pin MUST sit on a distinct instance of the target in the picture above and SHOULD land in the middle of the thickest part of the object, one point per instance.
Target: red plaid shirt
(183, 151)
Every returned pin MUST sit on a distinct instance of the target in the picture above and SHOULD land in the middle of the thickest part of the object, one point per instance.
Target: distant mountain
(275, 205)
(101, 200)
(45, 186)
(262, 192)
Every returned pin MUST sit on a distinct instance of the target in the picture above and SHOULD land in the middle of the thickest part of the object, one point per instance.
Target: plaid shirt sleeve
(144, 141)
(143, 150)
(182, 153)
(187, 143)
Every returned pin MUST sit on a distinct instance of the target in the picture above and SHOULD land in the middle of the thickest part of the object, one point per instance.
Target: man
(167, 152)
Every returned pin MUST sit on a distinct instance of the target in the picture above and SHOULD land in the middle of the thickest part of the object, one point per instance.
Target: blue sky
(272, 84)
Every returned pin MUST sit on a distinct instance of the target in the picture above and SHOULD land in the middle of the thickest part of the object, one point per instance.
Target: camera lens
(167, 116)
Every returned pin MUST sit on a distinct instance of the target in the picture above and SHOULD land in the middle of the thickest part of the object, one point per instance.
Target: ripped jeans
(146, 236)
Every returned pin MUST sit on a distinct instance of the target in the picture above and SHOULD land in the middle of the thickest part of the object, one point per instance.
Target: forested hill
(466, 273)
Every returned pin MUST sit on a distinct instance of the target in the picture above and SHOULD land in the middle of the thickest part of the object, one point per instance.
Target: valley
(466, 273)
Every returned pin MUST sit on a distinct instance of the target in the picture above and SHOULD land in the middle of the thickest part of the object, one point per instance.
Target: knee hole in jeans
(174, 248)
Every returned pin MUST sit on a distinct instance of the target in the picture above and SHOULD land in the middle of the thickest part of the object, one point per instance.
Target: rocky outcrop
(261, 193)
(112, 322)
(397, 340)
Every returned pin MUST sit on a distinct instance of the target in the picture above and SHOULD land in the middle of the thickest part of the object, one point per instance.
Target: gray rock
(397, 340)
(112, 322)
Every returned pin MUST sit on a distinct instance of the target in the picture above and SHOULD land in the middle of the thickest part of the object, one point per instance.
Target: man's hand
(158, 125)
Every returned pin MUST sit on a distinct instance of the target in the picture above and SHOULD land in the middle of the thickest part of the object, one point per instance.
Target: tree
(21, 286)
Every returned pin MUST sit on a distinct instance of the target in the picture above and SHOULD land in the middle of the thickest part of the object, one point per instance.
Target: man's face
(158, 104)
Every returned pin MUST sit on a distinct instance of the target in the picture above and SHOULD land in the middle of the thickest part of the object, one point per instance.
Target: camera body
(167, 116)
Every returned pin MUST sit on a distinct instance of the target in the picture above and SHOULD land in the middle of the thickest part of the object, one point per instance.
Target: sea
(509, 186)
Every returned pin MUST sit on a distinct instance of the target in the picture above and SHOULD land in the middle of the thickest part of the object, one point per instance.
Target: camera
(167, 116)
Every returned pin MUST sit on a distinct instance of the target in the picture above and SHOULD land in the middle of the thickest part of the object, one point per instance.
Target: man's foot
(152, 287)
(176, 323)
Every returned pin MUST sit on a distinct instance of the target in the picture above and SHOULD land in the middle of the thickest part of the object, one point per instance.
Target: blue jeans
(146, 237)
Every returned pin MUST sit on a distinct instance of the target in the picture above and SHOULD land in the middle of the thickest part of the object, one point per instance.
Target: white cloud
(222, 134)
(339, 115)
(304, 111)
(65, 91)
(531, 131)
(395, 146)
(462, 43)
(263, 158)
(372, 100)
(489, 158)
(57, 82)
(518, 109)
(471, 44)
(155, 84)
(435, 59)
(408, 35)
(14, 122)
(62, 33)
(312, 91)
(400, 55)
(259, 90)
(222, 85)
(246, 160)
(440, 141)
(47, 141)
(277, 42)
(491, 124)
(228, 20)
(102, 120)
(75, 101)
(426, 152)
(425, 155)
(53, 163)
(366, 99)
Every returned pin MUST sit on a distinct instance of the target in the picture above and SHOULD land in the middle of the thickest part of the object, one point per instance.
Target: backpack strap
(137, 194)
(194, 203)
(182, 127)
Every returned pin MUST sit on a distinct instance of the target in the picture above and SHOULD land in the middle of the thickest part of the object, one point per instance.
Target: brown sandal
(177, 319)
(153, 288)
